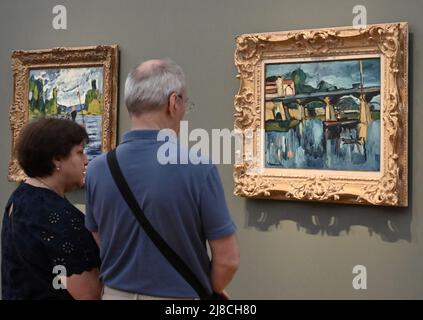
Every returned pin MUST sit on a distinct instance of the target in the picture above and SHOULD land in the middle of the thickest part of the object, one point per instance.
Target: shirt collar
(140, 134)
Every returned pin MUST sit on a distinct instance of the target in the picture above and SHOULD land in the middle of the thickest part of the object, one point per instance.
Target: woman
(46, 251)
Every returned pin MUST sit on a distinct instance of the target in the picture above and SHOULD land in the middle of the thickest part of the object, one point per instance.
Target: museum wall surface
(289, 250)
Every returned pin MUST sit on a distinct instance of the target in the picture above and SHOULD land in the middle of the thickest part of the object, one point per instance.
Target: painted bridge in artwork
(334, 96)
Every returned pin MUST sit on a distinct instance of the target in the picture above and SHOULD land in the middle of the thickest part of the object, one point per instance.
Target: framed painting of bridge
(79, 84)
(323, 115)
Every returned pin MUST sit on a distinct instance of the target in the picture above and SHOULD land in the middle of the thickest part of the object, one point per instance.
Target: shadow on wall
(391, 224)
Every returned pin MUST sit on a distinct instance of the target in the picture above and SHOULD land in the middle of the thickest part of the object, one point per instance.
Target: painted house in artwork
(277, 87)
(288, 86)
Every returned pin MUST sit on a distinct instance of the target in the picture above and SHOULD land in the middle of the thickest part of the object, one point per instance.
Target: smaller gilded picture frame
(79, 84)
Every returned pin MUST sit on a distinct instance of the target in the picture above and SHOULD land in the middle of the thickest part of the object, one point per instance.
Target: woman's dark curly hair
(44, 140)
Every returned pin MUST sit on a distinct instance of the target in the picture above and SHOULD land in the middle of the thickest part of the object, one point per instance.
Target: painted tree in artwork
(51, 104)
(93, 100)
(36, 99)
(299, 77)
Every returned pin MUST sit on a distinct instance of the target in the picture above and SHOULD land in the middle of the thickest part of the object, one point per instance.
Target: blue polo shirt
(184, 202)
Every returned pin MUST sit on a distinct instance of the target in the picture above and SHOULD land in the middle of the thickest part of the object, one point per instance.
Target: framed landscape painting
(79, 84)
(323, 115)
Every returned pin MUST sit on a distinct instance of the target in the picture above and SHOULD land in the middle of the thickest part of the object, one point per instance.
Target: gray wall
(289, 250)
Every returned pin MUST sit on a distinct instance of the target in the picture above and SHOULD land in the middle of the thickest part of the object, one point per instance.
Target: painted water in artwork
(323, 115)
(70, 93)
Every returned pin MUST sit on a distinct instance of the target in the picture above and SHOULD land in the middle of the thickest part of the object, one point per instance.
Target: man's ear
(171, 105)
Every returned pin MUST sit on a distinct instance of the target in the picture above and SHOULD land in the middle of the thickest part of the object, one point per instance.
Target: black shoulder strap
(161, 244)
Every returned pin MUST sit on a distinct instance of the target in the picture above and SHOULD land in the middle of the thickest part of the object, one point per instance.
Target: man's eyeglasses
(189, 105)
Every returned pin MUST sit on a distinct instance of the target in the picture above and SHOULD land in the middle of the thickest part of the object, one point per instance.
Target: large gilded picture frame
(78, 84)
(323, 115)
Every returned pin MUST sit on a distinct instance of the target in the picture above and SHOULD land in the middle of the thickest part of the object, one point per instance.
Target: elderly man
(184, 203)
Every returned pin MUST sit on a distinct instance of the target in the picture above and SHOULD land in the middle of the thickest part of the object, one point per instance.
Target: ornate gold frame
(24, 61)
(387, 187)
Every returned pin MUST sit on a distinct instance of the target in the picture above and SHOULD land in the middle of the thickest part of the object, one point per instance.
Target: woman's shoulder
(26, 198)
(41, 202)
(26, 191)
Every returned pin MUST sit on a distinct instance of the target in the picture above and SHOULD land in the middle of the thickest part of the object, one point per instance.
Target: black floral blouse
(44, 230)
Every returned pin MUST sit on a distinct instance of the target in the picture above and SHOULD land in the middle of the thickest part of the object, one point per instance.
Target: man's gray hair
(148, 87)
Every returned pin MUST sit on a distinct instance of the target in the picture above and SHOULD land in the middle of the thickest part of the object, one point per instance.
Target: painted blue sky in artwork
(339, 73)
(68, 81)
